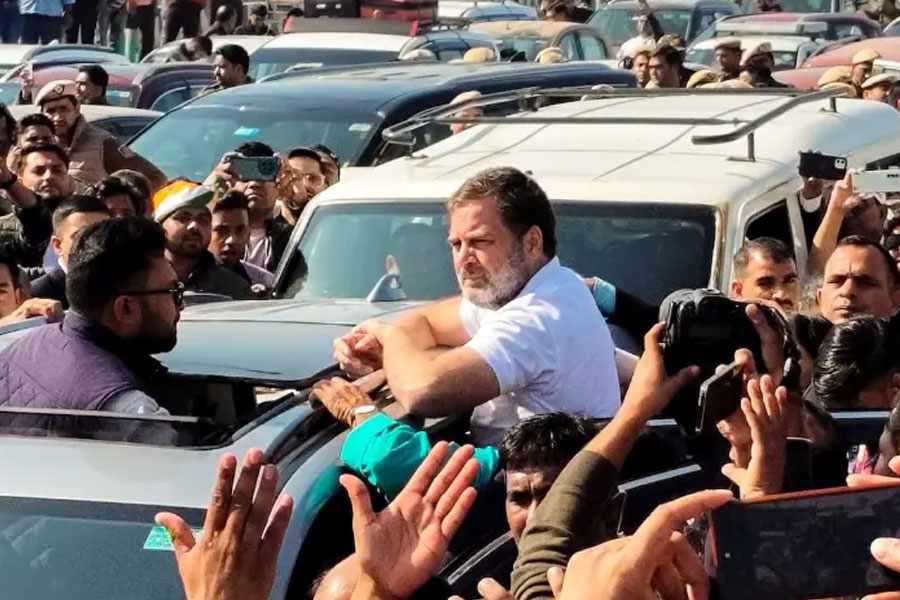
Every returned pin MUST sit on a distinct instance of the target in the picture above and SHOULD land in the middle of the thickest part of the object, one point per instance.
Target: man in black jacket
(70, 217)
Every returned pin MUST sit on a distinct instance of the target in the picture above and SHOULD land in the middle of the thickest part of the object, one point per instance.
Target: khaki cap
(880, 79)
(754, 50)
(849, 90)
(465, 97)
(731, 43)
(478, 55)
(701, 77)
(865, 56)
(61, 88)
(840, 74)
(732, 84)
(551, 55)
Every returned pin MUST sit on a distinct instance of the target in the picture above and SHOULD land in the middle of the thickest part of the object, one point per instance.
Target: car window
(570, 47)
(349, 247)
(269, 61)
(173, 98)
(844, 30)
(59, 548)
(616, 25)
(591, 47)
(773, 222)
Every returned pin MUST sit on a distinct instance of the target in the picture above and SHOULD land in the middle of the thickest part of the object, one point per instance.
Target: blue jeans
(10, 23)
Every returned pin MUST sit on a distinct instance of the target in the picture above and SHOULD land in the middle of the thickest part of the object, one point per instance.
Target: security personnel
(757, 64)
(93, 152)
(728, 55)
(863, 62)
(878, 87)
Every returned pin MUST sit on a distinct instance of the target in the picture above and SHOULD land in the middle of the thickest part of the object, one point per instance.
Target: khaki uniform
(95, 153)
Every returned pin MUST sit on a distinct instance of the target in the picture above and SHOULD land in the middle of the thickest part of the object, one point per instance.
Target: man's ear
(56, 244)
(533, 241)
(126, 310)
(737, 289)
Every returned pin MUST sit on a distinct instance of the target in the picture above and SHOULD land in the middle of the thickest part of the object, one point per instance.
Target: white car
(792, 43)
(247, 42)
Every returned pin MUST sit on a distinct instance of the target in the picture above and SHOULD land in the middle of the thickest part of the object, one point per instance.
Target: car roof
(780, 43)
(13, 54)
(91, 112)
(635, 162)
(371, 87)
(543, 29)
(786, 17)
(888, 47)
(805, 78)
(329, 40)
(663, 5)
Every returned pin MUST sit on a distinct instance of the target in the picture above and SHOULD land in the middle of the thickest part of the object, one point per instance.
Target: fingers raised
(242, 496)
(217, 511)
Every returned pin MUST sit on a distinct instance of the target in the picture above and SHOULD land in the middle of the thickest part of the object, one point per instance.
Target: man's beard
(156, 335)
(502, 287)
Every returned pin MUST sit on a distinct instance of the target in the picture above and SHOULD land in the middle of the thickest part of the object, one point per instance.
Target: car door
(568, 43)
(592, 46)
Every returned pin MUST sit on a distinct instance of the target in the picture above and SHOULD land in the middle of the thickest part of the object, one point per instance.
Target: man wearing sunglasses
(125, 301)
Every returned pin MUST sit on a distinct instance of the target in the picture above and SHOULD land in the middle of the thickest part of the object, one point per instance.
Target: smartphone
(255, 168)
(870, 182)
(811, 544)
(720, 396)
(822, 166)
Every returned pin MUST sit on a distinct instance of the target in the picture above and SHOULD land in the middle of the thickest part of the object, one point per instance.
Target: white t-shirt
(550, 350)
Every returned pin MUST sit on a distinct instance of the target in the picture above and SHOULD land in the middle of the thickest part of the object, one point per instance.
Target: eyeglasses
(312, 178)
(177, 293)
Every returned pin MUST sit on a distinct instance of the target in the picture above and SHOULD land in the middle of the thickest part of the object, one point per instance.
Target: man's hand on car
(51, 310)
(359, 352)
(652, 388)
(403, 545)
(764, 411)
(237, 552)
(657, 559)
(340, 397)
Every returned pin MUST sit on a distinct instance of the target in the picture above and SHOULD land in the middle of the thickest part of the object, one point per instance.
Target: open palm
(402, 546)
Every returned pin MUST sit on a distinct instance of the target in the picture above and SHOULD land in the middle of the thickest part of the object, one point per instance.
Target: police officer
(93, 153)
(863, 62)
(728, 56)
(878, 87)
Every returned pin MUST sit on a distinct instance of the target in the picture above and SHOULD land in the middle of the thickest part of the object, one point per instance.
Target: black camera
(705, 328)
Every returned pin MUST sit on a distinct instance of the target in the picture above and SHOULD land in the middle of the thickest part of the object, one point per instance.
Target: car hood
(278, 342)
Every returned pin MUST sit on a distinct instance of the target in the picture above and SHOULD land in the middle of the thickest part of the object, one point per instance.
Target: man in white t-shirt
(525, 337)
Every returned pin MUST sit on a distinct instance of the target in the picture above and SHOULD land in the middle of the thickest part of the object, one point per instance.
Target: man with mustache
(764, 269)
(860, 279)
(524, 338)
(184, 214)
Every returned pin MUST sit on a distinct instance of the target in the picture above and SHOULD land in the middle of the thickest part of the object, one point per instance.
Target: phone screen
(810, 545)
(720, 395)
(255, 168)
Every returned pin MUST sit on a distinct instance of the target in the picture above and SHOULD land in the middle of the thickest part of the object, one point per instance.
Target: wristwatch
(363, 411)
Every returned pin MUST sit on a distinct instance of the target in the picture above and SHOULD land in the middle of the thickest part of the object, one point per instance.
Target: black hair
(138, 181)
(670, 54)
(77, 205)
(225, 13)
(8, 258)
(232, 200)
(328, 152)
(309, 153)
(34, 120)
(260, 10)
(855, 354)
(254, 149)
(109, 257)
(114, 186)
(10, 124)
(205, 43)
(51, 148)
(809, 332)
(521, 202)
(544, 441)
(96, 75)
(235, 55)
(770, 248)
(861, 242)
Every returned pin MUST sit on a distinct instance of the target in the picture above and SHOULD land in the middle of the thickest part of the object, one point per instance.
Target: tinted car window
(189, 142)
(270, 61)
(570, 47)
(591, 47)
(171, 99)
(707, 56)
(86, 550)
(528, 44)
(616, 25)
(348, 247)
(806, 6)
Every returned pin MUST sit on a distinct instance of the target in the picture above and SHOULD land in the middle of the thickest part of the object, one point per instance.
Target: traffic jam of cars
(310, 254)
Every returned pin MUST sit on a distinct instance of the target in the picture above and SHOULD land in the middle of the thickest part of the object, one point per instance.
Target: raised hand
(655, 560)
(236, 555)
(764, 411)
(403, 545)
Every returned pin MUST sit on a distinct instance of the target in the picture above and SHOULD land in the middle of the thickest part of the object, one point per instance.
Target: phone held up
(822, 166)
(253, 168)
(804, 545)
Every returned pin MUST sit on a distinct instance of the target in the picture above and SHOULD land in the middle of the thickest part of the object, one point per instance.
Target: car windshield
(189, 142)
(269, 61)
(618, 25)
(707, 56)
(348, 248)
(528, 43)
(87, 550)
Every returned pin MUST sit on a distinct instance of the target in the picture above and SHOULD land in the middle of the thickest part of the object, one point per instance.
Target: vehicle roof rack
(799, 28)
(530, 100)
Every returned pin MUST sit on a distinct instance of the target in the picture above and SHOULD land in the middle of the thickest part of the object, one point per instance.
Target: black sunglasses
(177, 293)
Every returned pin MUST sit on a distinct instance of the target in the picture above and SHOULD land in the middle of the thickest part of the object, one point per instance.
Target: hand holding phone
(254, 168)
(720, 396)
(822, 166)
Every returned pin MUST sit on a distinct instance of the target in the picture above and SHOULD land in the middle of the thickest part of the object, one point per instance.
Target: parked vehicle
(247, 42)
(42, 57)
(888, 47)
(345, 109)
(792, 43)
(523, 40)
(122, 122)
(159, 87)
(838, 26)
(686, 18)
(472, 10)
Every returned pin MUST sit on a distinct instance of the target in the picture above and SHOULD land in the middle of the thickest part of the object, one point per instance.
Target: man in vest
(125, 303)
(93, 152)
